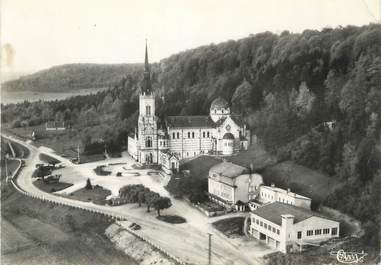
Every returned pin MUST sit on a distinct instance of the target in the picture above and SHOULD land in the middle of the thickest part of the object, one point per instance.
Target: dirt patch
(231, 227)
(139, 250)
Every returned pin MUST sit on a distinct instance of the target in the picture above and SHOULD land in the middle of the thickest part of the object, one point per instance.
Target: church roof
(219, 103)
(189, 121)
(273, 212)
(238, 120)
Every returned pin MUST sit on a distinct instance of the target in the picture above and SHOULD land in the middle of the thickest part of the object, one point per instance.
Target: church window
(148, 141)
(208, 134)
(203, 134)
(192, 134)
(173, 135)
(188, 134)
(178, 135)
(148, 110)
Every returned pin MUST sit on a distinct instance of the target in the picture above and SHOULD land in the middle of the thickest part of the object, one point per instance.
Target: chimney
(286, 229)
(272, 185)
(288, 190)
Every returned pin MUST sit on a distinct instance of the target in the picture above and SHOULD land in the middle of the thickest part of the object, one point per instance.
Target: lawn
(230, 227)
(48, 159)
(300, 179)
(12, 166)
(96, 195)
(200, 166)
(51, 187)
(255, 155)
(100, 171)
(172, 219)
(20, 150)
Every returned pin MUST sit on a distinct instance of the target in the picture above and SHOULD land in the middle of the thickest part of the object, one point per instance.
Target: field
(300, 179)
(38, 233)
(64, 143)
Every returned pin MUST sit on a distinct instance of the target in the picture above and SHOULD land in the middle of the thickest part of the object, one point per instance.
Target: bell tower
(147, 124)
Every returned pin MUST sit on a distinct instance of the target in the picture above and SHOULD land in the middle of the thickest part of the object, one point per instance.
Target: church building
(180, 137)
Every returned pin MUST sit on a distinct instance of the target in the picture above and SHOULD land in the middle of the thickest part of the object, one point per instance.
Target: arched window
(178, 135)
(192, 134)
(149, 141)
(148, 110)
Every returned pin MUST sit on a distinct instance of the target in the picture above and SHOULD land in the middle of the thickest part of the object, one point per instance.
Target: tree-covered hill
(70, 77)
(313, 97)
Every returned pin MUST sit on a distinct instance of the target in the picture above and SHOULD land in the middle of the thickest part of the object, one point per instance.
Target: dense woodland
(313, 97)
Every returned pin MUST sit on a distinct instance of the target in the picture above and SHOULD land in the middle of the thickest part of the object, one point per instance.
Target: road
(188, 241)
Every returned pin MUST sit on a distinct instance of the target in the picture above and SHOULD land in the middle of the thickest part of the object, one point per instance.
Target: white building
(229, 183)
(219, 133)
(269, 194)
(287, 227)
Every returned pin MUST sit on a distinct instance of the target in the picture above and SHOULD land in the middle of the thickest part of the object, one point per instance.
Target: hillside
(72, 77)
(312, 98)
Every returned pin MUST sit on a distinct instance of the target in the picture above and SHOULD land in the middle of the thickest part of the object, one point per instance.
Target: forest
(312, 97)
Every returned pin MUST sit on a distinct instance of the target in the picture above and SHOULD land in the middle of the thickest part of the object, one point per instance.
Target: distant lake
(20, 96)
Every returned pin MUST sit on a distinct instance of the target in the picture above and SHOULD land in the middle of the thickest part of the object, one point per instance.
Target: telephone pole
(210, 249)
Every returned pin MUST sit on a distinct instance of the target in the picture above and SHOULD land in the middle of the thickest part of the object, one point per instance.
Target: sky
(38, 34)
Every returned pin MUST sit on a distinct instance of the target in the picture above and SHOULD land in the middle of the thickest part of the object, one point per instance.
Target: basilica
(181, 137)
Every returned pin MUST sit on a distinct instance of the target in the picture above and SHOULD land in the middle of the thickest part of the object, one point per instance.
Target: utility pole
(78, 154)
(6, 167)
(210, 249)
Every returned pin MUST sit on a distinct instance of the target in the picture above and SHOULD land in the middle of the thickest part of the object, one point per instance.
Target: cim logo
(349, 257)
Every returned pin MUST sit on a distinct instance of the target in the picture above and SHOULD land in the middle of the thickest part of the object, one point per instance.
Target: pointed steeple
(146, 86)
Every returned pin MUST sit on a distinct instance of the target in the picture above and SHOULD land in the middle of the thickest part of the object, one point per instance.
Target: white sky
(43, 33)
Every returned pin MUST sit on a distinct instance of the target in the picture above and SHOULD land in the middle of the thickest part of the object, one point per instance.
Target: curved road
(188, 241)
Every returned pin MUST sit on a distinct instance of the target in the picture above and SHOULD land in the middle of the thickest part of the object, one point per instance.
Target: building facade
(180, 137)
(288, 228)
(229, 183)
(270, 194)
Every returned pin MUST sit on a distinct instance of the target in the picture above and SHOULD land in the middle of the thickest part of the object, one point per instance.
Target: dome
(228, 136)
(219, 103)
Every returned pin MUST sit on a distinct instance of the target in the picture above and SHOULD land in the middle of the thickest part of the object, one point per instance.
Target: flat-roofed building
(269, 194)
(287, 227)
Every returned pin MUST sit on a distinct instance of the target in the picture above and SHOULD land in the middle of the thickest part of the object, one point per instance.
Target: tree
(161, 203)
(150, 198)
(141, 197)
(88, 185)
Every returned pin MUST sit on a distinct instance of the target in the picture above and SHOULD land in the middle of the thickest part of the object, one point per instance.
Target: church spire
(146, 87)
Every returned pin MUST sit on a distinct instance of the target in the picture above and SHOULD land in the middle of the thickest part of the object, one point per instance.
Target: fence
(92, 210)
